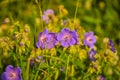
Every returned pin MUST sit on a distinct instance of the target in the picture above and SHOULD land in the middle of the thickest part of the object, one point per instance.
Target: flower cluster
(56, 54)
(90, 40)
(47, 40)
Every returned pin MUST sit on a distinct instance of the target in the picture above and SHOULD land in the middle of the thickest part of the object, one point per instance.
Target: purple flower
(111, 44)
(43, 61)
(62, 68)
(100, 77)
(21, 44)
(65, 22)
(11, 73)
(7, 20)
(92, 53)
(67, 37)
(90, 39)
(47, 15)
(46, 40)
(32, 61)
(49, 12)
(40, 57)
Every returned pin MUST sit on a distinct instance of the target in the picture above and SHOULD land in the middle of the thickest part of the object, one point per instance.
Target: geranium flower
(111, 44)
(47, 15)
(46, 40)
(91, 54)
(11, 73)
(89, 39)
(67, 37)
(100, 77)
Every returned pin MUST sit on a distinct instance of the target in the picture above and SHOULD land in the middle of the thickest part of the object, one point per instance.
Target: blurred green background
(100, 16)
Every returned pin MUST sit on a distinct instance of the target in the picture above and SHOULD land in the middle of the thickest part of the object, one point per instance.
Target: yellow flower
(82, 54)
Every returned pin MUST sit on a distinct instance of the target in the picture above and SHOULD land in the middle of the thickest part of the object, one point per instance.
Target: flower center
(12, 75)
(91, 55)
(89, 39)
(67, 37)
(43, 39)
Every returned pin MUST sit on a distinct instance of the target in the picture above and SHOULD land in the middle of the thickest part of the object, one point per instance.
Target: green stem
(27, 71)
(39, 6)
(37, 72)
(11, 18)
(54, 58)
(76, 10)
(66, 74)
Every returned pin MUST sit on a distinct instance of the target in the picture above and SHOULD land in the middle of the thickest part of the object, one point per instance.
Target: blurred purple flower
(47, 15)
(32, 61)
(7, 20)
(40, 57)
(46, 40)
(21, 44)
(11, 73)
(111, 44)
(89, 39)
(100, 77)
(65, 22)
(49, 12)
(26, 30)
(62, 68)
(92, 53)
(43, 61)
(67, 37)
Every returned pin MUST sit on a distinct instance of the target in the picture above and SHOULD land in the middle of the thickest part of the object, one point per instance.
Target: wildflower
(12, 73)
(92, 53)
(62, 68)
(111, 44)
(47, 15)
(40, 57)
(43, 61)
(67, 37)
(21, 44)
(65, 22)
(46, 40)
(100, 77)
(32, 61)
(7, 20)
(90, 39)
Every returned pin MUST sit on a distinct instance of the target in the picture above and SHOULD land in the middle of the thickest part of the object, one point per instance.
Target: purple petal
(18, 70)
(49, 11)
(65, 30)
(59, 36)
(9, 68)
(92, 53)
(3, 76)
(91, 33)
(38, 44)
(111, 43)
(73, 41)
(64, 44)
(91, 45)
